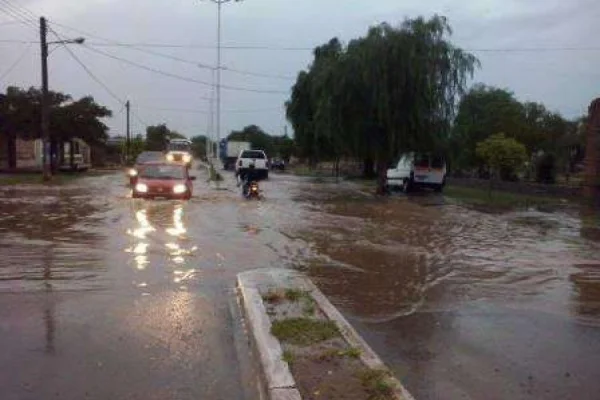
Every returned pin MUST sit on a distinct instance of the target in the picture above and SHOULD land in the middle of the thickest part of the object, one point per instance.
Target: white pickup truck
(256, 157)
(418, 170)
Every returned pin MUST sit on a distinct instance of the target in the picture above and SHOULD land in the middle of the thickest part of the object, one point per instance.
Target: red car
(163, 180)
(145, 157)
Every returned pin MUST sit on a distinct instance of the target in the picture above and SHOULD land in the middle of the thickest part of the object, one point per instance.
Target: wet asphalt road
(105, 297)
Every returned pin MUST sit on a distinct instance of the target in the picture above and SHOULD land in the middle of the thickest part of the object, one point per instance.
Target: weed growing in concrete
(273, 296)
(333, 353)
(288, 357)
(294, 294)
(375, 381)
(304, 331)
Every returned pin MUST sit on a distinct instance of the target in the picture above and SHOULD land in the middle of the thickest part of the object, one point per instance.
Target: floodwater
(102, 296)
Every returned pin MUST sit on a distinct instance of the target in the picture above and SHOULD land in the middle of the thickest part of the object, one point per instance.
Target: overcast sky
(564, 80)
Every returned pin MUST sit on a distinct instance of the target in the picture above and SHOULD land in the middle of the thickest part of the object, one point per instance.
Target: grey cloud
(565, 81)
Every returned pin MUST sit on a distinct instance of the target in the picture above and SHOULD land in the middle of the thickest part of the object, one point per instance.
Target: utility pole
(128, 138)
(219, 7)
(44, 102)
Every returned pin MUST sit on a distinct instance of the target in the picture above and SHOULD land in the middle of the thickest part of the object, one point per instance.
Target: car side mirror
(192, 178)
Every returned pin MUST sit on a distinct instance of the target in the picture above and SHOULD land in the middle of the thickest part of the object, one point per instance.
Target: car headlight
(180, 188)
(141, 188)
(132, 172)
(187, 158)
(170, 157)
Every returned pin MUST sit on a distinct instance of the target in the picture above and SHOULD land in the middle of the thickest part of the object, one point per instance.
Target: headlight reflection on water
(178, 227)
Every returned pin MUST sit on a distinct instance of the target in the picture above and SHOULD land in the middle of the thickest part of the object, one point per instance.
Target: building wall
(3, 152)
(26, 153)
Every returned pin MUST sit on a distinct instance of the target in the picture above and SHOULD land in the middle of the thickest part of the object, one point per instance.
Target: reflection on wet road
(102, 296)
(464, 304)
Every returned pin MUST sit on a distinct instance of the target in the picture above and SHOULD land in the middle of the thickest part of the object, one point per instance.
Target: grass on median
(376, 383)
(329, 354)
(288, 357)
(499, 199)
(304, 331)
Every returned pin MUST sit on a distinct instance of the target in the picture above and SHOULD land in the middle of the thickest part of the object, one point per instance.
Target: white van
(418, 170)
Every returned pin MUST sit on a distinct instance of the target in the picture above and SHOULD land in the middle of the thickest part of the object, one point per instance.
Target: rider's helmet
(251, 166)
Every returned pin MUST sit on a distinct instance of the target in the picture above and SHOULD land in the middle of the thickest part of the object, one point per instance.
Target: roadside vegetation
(37, 178)
(320, 359)
(343, 107)
(500, 200)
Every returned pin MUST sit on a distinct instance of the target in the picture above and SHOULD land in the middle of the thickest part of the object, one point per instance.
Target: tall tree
(390, 92)
(20, 114)
(158, 136)
(258, 138)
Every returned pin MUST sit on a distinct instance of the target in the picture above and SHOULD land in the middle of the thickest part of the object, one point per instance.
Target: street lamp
(44, 102)
(219, 4)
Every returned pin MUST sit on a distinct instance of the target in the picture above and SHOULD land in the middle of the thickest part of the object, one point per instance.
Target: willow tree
(390, 92)
(415, 76)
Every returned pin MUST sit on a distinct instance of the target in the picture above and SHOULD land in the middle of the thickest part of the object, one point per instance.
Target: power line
(204, 47)
(22, 9)
(8, 23)
(533, 49)
(180, 77)
(195, 111)
(168, 56)
(17, 62)
(90, 73)
(96, 79)
(19, 41)
(242, 47)
(19, 13)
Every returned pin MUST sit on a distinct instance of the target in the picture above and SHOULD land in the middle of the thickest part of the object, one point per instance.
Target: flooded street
(105, 297)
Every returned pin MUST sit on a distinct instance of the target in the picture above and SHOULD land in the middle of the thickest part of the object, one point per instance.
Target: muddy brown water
(103, 297)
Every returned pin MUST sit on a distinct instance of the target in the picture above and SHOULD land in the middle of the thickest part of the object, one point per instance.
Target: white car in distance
(256, 157)
(418, 170)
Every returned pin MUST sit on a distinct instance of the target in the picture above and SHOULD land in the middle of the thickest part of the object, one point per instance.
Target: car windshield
(253, 154)
(162, 172)
(147, 156)
(179, 147)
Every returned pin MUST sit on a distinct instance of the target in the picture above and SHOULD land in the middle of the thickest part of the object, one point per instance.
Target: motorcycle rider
(246, 177)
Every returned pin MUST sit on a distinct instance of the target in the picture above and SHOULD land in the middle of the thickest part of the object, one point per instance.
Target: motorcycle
(251, 190)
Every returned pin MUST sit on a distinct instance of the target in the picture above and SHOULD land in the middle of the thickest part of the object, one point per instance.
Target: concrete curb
(280, 382)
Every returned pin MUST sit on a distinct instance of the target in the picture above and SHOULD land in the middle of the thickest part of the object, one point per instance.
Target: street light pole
(219, 7)
(128, 140)
(44, 101)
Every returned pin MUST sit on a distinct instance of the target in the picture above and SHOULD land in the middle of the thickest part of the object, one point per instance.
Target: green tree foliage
(482, 112)
(137, 145)
(258, 138)
(485, 110)
(20, 115)
(157, 137)
(199, 146)
(389, 92)
(274, 146)
(501, 154)
(283, 147)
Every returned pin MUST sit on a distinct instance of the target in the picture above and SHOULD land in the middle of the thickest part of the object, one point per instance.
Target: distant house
(29, 154)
